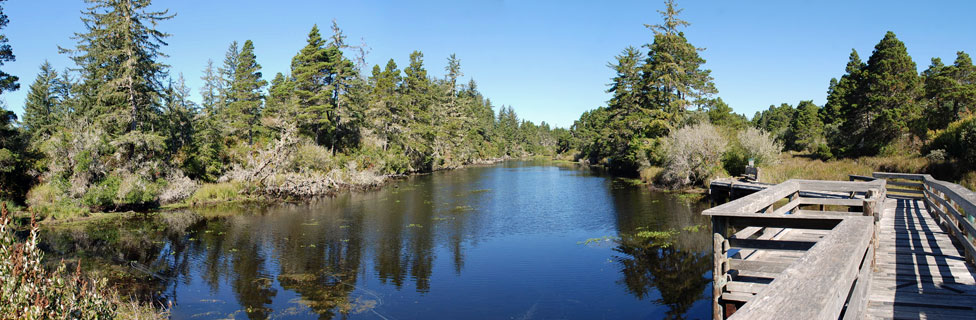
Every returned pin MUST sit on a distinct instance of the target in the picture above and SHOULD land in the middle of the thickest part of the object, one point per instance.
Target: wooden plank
(858, 303)
(745, 287)
(737, 296)
(833, 202)
(903, 190)
(833, 213)
(915, 185)
(756, 201)
(760, 266)
(893, 175)
(816, 286)
(770, 244)
(824, 222)
(954, 229)
(787, 207)
(840, 186)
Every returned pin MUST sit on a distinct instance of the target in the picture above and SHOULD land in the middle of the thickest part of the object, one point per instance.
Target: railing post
(721, 267)
(873, 206)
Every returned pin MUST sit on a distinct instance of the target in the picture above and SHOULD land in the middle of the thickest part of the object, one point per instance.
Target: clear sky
(546, 58)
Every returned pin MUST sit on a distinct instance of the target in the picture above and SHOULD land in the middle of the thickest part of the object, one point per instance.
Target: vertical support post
(720, 258)
(873, 204)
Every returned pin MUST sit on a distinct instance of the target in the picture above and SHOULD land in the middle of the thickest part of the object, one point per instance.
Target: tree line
(117, 130)
(883, 107)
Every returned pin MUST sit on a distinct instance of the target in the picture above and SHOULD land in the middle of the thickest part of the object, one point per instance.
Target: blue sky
(546, 58)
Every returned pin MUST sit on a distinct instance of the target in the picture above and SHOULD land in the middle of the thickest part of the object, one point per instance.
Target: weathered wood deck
(920, 273)
(787, 251)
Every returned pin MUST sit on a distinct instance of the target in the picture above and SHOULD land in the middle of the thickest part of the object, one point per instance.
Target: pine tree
(890, 89)
(180, 123)
(118, 59)
(310, 80)
(343, 76)
(208, 131)
(226, 73)
(843, 94)
(950, 91)
(244, 110)
(42, 109)
(8, 82)
(673, 77)
(806, 129)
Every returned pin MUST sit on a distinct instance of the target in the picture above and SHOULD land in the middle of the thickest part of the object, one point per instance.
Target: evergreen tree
(226, 73)
(844, 94)
(950, 91)
(118, 59)
(244, 110)
(673, 77)
(8, 82)
(310, 80)
(42, 109)
(890, 89)
(806, 129)
(208, 133)
(180, 122)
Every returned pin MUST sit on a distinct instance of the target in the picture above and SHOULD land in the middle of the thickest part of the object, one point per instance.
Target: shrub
(957, 140)
(693, 155)
(30, 291)
(224, 191)
(760, 146)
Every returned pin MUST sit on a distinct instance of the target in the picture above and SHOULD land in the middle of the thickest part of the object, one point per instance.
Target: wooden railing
(828, 280)
(954, 205)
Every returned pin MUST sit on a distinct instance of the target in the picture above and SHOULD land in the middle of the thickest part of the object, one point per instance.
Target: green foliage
(225, 191)
(806, 128)
(957, 140)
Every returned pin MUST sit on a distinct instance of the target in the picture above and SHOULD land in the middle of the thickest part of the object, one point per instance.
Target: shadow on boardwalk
(920, 274)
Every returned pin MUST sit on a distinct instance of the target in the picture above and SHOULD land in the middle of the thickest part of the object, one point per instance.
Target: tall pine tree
(244, 110)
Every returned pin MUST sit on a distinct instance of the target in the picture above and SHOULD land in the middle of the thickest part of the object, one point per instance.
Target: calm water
(499, 242)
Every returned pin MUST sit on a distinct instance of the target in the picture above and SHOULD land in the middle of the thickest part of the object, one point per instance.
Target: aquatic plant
(28, 290)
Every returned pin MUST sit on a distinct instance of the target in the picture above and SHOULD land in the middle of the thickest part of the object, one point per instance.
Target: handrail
(838, 271)
(954, 204)
(817, 284)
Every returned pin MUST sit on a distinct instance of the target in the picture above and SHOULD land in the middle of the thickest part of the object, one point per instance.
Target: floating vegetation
(311, 223)
(659, 238)
(414, 225)
(598, 241)
(443, 218)
(296, 277)
(690, 197)
(480, 190)
(459, 209)
(343, 227)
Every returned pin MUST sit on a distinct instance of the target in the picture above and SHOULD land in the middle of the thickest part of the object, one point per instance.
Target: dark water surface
(499, 242)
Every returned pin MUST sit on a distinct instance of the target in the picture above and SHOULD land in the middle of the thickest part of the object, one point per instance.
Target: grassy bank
(803, 166)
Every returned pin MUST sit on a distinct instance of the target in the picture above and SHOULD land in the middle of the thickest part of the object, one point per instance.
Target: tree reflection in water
(650, 266)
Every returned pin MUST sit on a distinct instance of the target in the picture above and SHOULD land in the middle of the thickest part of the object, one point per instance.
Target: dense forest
(117, 131)
(663, 98)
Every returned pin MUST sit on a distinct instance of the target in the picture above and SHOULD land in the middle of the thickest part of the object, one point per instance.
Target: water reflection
(469, 243)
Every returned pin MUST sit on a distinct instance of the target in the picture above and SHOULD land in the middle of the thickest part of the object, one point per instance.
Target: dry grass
(793, 166)
(801, 166)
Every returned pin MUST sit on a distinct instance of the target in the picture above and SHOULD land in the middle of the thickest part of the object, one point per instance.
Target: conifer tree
(673, 77)
(246, 98)
(8, 82)
(890, 88)
(42, 109)
(806, 129)
(843, 94)
(310, 80)
(118, 57)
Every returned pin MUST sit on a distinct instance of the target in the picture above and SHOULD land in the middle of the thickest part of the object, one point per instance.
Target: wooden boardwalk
(919, 272)
(809, 249)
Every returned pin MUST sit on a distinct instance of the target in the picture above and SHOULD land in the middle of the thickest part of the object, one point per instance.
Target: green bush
(102, 195)
(958, 141)
(224, 191)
